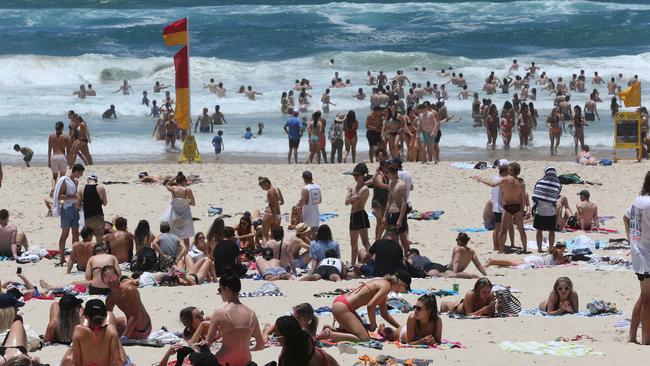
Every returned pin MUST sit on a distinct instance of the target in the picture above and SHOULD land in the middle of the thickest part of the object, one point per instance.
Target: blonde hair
(7, 316)
(20, 360)
(391, 278)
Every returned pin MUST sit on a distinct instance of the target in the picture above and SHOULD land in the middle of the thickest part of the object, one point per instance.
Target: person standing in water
(126, 89)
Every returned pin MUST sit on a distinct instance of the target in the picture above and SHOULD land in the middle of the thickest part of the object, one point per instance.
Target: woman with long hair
(350, 127)
(179, 214)
(65, 315)
(562, 300)
(143, 235)
(423, 325)
(314, 129)
(297, 346)
(215, 234)
(480, 301)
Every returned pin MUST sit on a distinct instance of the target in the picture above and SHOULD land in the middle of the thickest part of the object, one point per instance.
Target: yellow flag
(632, 95)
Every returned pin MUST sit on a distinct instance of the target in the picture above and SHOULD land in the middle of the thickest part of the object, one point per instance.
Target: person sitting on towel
(461, 257)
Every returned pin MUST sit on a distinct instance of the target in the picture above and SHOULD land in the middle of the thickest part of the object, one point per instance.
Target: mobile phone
(19, 270)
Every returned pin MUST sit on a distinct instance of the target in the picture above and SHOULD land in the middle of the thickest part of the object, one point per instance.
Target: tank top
(310, 212)
(92, 203)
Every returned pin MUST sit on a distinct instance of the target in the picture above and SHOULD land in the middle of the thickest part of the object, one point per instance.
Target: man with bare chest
(136, 323)
(57, 151)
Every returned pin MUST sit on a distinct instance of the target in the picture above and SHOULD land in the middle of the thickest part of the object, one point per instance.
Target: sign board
(190, 151)
(627, 131)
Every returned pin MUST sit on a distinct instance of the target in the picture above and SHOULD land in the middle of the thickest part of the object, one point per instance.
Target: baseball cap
(94, 177)
(95, 307)
(69, 302)
(584, 193)
(9, 301)
(405, 277)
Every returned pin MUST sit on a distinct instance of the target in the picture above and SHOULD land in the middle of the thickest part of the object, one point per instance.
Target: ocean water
(48, 48)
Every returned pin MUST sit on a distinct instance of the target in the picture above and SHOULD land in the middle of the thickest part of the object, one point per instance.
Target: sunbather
(562, 300)
(554, 257)
(423, 325)
(480, 301)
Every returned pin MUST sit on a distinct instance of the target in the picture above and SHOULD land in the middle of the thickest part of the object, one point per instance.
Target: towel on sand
(549, 348)
(267, 289)
(444, 345)
(328, 215)
(426, 215)
(367, 360)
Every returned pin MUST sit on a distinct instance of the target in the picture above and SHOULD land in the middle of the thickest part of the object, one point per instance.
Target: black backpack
(146, 260)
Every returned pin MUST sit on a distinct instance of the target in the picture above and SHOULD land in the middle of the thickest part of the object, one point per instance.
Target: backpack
(570, 178)
(336, 132)
(146, 260)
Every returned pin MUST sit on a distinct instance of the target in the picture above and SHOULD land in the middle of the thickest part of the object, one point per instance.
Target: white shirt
(639, 215)
(334, 262)
(496, 197)
(310, 212)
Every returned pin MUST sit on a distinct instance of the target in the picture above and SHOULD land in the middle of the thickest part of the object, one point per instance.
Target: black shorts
(359, 220)
(293, 144)
(92, 290)
(392, 221)
(373, 138)
(438, 136)
(497, 217)
(545, 223)
(642, 276)
(437, 266)
(326, 271)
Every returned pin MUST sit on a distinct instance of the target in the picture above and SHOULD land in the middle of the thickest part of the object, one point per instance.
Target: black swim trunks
(293, 144)
(92, 290)
(359, 220)
(642, 276)
(326, 271)
(373, 138)
(437, 266)
(392, 221)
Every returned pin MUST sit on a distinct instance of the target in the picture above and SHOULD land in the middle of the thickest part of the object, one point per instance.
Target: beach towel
(462, 165)
(399, 304)
(605, 162)
(165, 337)
(548, 188)
(426, 215)
(582, 314)
(570, 178)
(326, 343)
(214, 211)
(600, 230)
(323, 310)
(267, 289)
(470, 229)
(70, 187)
(435, 292)
(142, 342)
(179, 217)
(334, 293)
(328, 215)
(553, 348)
(367, 360)
(443, 345)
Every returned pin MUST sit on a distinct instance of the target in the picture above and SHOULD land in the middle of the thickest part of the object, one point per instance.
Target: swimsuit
(92, 290)
(512, 208)
(359, 220)
(142, 333)
(344, 300)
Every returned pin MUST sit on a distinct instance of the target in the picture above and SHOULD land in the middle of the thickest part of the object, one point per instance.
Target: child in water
(248, 134)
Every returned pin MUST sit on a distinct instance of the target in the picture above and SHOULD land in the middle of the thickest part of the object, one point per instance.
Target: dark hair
(16, 147)
(231, 282)
(187, 317)
(216, 231)
(164, 227)
(306, 311)
(101, 247)
(180, 178)
(86, 232)
(350, 118)
(4, 214)
(58, 125)
(324, 233)
(298, 344)
(463, 237)
(120, 223)
(142, 231)
(431, 304)
(413, 251)
(330, 253)
(228, 232)
(246, 217)
(277, 233)
(645, 191)
(78, 168)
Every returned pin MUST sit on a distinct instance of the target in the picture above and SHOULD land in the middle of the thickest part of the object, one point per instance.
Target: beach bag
(570, 178)
(146, 260)
(481, 165)
(507, 303)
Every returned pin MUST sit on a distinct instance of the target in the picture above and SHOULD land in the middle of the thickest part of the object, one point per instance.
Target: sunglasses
(563, 288)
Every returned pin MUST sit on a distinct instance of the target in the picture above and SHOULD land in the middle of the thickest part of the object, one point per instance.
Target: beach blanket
(179, 217)
(443, 345)
(323, 311)
(382, 360)
(553, 348)
(334, 293)
(581, 314)
(142, 342)
(470, 229)
(165, 337)
(373, 343)
(463, 165)
(608, 263)
(600, 230)
(267, 289)
(426, 215)
(435, 292)
(328, 215)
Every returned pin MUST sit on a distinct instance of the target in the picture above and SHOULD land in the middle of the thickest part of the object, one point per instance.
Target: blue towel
(214, 211)
(470, 229)
(327, 215)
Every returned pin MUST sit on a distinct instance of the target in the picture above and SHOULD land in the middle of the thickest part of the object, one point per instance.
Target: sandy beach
(437, 187)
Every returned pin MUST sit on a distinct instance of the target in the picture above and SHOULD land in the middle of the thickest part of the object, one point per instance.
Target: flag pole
(189, 89)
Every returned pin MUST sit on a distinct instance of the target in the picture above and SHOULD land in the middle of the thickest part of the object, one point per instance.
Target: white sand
(436, 187)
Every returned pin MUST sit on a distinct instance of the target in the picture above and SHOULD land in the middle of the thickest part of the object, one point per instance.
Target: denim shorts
(69, 217)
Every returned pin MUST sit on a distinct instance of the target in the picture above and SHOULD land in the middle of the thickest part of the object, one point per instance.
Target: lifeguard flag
(182, 112)
(632, 95)
(175, 34)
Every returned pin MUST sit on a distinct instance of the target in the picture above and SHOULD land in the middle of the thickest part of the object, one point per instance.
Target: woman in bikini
(524, 126)
(284, 103)
(507, 123)
(246, 232)
(492, 125)
(390, 131)
(554, 129)
(533, 119)
(554, 257)
(373, 294)
(234, 324)
(410, 121)
(562, 300)
(480, 301)
(143, 236)
(423, 325)
(314, 130)
(578, 126)
(272, 215)
(297, 346)
(350, 127)
(14, 346)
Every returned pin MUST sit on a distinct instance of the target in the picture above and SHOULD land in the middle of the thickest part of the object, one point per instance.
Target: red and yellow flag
(175, 34)
(632, 95)
(182, 112)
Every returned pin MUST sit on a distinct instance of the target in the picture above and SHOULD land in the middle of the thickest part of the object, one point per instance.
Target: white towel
(69, 189)
(179, 217)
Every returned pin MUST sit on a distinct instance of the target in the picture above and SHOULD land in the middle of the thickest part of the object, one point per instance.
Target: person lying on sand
(562, 300)
(554, 257)
(479, 301)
